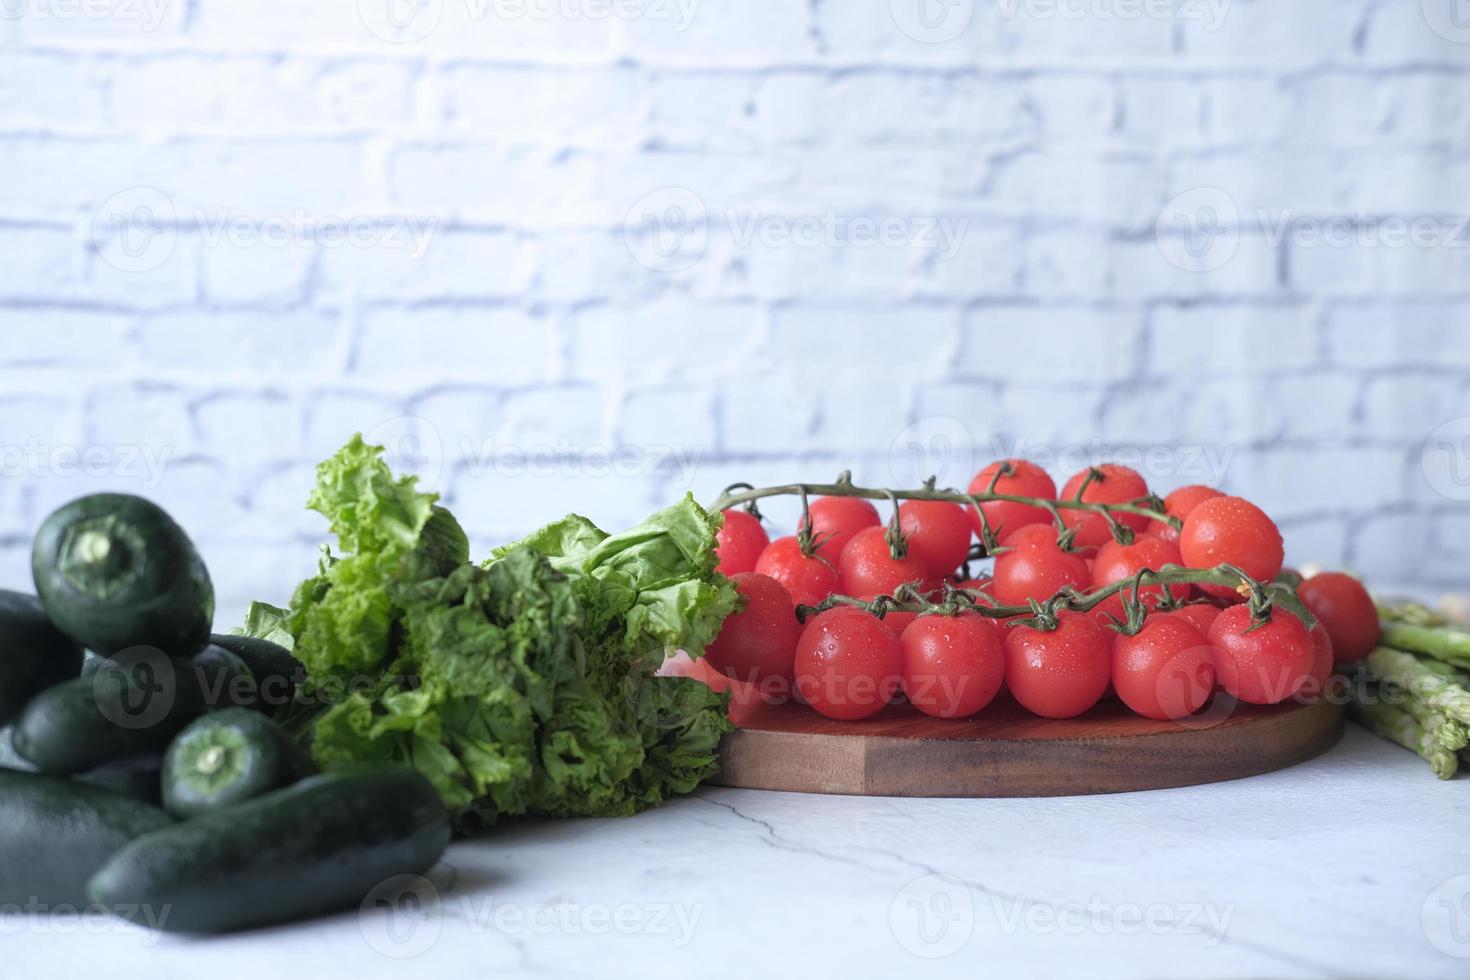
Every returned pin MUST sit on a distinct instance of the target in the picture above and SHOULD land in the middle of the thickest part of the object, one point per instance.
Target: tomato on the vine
(758, 640)
(809, 578)
(848, 664)
(1116, 562)
(1262, 664)
(1037, 571)
(1113, 484)
(1006, 517)
(938, 532)
(868, 567)
(836, 519)
(1231, 530)
(1180, 503)
(1345, 608)
(739, 542)
(1059, 673)
(952, 665)
(1166, 670)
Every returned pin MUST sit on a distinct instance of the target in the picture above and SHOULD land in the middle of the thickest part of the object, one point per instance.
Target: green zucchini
(225, 758)
(114, 571)
(34, 654)
(318, 846)
(140, 777)
(126, 709)
(277, 673)
(55, 834)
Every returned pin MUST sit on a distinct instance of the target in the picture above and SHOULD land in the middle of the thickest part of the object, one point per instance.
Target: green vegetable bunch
(522, 685)
(1418, 691)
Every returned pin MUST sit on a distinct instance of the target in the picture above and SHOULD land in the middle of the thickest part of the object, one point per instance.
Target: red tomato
(1166, 671)
(939, 532)
(836, 519)
(952, 665)
(1062, 673)
(1346, 609)
(1265, 665)
(1116, 485)
(739, 542)
(758, 640)
(1234, 531)
(1179, 504)
(1322, 663)
(1033, 534)
(848, 664)
(1201, 614)
(868, 567)
(808, 579)
(1037, 571)
(1116, 562)
(1005, 517)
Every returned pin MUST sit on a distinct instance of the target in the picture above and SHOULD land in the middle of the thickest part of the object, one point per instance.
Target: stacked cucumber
(146, 776)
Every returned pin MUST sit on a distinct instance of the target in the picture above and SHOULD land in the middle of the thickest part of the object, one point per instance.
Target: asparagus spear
(1399, 726)
(1450, 733)
(1408, 671)
(1447, 671)
(1444, 643)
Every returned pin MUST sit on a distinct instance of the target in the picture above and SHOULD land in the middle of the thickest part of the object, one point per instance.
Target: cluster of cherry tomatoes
(847, 662)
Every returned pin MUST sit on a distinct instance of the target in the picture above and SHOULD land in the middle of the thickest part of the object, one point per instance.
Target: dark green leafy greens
(523, 685)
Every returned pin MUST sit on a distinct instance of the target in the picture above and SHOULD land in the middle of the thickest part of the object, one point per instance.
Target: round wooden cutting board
(1006, 751)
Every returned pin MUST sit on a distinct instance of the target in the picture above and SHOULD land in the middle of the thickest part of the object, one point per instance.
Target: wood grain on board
(1006, 751)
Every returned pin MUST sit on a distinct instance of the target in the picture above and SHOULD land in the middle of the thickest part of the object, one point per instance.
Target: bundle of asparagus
(1416, 691)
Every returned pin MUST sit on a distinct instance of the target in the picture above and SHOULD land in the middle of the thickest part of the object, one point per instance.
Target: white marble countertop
(1354, 864)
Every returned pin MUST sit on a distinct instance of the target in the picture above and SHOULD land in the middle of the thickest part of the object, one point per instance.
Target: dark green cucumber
(140, 777)
(55, 834)
(114, 571)
(225, 758)
(34, 654)
(318, 846)
(277, 673)
(126, 709)
(9, 758)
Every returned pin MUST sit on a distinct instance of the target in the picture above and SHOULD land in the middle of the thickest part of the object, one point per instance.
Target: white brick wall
(591, 253)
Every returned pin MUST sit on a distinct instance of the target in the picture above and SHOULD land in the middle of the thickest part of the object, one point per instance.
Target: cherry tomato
(1322, 663)
(1346, 609)
(809, 579)
(1116, 485)
(952, 665)
(836, 519)
(868, 567)
(1037, 571)
(759, 639)
(848, 664)
(1033, 534)
(1235, 531)
(1265, 664)
(1165, 671)
(1179, 504)
(1201, 614)
(1116, 562)
(1006, 517)
(1061, 673)
(938, 531)
(739, 542)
